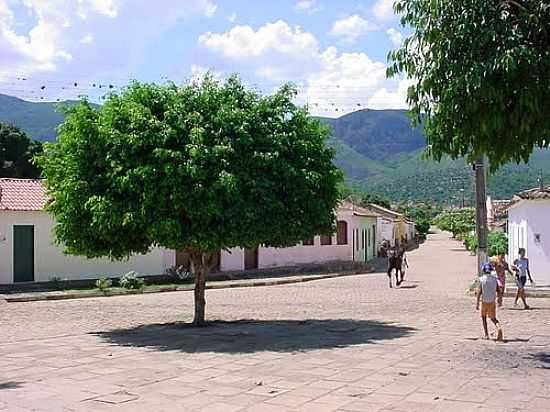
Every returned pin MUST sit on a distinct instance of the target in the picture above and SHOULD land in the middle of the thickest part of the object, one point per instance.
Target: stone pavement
(346, 344)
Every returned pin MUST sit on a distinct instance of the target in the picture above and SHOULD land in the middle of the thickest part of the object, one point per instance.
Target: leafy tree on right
(480, 71)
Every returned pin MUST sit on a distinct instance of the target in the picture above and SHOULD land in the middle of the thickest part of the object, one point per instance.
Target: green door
(23, 253)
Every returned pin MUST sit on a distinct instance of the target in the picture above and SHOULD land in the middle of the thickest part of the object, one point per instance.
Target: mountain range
(378, 151)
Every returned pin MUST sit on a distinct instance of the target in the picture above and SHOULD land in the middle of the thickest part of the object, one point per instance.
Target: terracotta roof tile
(536, 193)
(22, 194)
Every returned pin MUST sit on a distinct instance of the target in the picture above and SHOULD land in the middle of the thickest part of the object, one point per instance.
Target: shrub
(423, 226)
(103, 284)
(497, 243)
(470, 241)
(178, 273)
(131, 280)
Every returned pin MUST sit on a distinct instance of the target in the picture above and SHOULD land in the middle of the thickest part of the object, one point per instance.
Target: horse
(395, 261)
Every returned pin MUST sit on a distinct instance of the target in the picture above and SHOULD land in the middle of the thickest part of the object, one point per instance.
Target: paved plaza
(346, 344)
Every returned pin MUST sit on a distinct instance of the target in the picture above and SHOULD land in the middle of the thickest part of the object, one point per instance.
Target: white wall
(525, 220)
(303, 254)
(232, 260)
(49, 260)
(386, 231)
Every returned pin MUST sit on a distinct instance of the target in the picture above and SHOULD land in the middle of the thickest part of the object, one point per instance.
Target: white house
(529, 228)
(28, 252)
(27, 249)
(393, 227)
(355, 240)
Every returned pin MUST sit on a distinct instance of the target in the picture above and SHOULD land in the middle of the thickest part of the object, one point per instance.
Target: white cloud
(331, 82)
(395, 36)
(87, 39)
(209, 8)
(351, 28)
(383, 9)
(57, 29)
(396, 99)
(308, 6)
(232, 18)
(244, 41)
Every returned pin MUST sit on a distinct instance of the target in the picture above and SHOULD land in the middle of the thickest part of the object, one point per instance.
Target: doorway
(251, 259)
(23, 253)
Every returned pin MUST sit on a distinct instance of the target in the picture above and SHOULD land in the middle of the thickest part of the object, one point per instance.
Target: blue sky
(335, 51)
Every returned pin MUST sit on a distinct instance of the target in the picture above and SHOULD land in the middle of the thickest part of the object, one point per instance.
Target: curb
(48, 296)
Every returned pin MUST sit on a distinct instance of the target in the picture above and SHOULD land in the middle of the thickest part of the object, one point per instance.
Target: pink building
(355, 240)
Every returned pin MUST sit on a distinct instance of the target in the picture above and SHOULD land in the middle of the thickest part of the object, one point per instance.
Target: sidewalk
(537, 291)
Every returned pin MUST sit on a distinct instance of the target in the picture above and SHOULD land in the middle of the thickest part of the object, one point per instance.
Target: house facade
(393, 227)
(529, 228)
(355, 240)
(28, 252)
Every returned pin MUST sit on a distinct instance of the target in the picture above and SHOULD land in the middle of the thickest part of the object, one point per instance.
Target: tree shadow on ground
(249, 336)
(10, 385)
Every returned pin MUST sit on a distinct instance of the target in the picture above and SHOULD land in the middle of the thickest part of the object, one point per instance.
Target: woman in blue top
(521, 267)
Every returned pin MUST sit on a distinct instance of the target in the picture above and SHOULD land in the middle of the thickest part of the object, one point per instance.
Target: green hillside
(378, 151)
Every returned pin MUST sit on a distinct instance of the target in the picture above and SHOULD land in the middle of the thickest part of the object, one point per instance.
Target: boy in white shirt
(487, 292)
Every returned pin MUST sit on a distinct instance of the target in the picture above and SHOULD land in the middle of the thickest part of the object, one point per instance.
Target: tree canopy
(202, 167)
(457, 221)
(17, 152)
(480, 74)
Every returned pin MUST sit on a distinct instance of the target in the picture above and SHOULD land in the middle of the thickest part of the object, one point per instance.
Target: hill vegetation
(378, 151)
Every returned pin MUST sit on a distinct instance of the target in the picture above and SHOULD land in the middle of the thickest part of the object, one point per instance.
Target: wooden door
(251, 259)
(23, 253)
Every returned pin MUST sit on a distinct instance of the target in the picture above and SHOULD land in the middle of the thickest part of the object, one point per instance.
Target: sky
(335, 52)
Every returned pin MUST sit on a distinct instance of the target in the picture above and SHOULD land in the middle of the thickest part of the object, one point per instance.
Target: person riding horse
(395, 261)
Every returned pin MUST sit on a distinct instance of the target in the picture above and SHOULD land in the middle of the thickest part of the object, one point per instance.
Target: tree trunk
(201, 264)
(481, 212)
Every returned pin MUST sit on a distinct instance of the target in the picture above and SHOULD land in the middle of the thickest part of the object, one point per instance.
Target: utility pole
(481, 212)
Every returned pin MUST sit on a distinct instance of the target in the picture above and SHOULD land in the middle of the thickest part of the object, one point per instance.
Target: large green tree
(17, 152)
(480, 71)
(201, 168)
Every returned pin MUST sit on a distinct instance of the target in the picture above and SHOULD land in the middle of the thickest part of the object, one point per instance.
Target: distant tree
(17, 152)
(421, 213)
(480, 75)
(458, 221)
(375, 199)
(422, 225)
(201, 168)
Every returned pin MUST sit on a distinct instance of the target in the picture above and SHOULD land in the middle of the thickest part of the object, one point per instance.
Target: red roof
(22, 194)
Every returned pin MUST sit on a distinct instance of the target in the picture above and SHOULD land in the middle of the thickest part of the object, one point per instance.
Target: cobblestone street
(346, 344)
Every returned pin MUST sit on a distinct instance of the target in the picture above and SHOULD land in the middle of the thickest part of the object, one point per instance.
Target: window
(341, 233)
(308, 242)
(357, 239)
(326, 240)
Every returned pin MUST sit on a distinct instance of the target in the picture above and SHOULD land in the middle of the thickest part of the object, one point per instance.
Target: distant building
(355, 240)
(529, 228)
(497, 214)
(28, 252)
(393, 227)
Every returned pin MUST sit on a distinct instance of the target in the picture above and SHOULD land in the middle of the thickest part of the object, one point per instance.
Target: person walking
(501, 267)
(487, 293)
(521, 267)
(404, 265)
